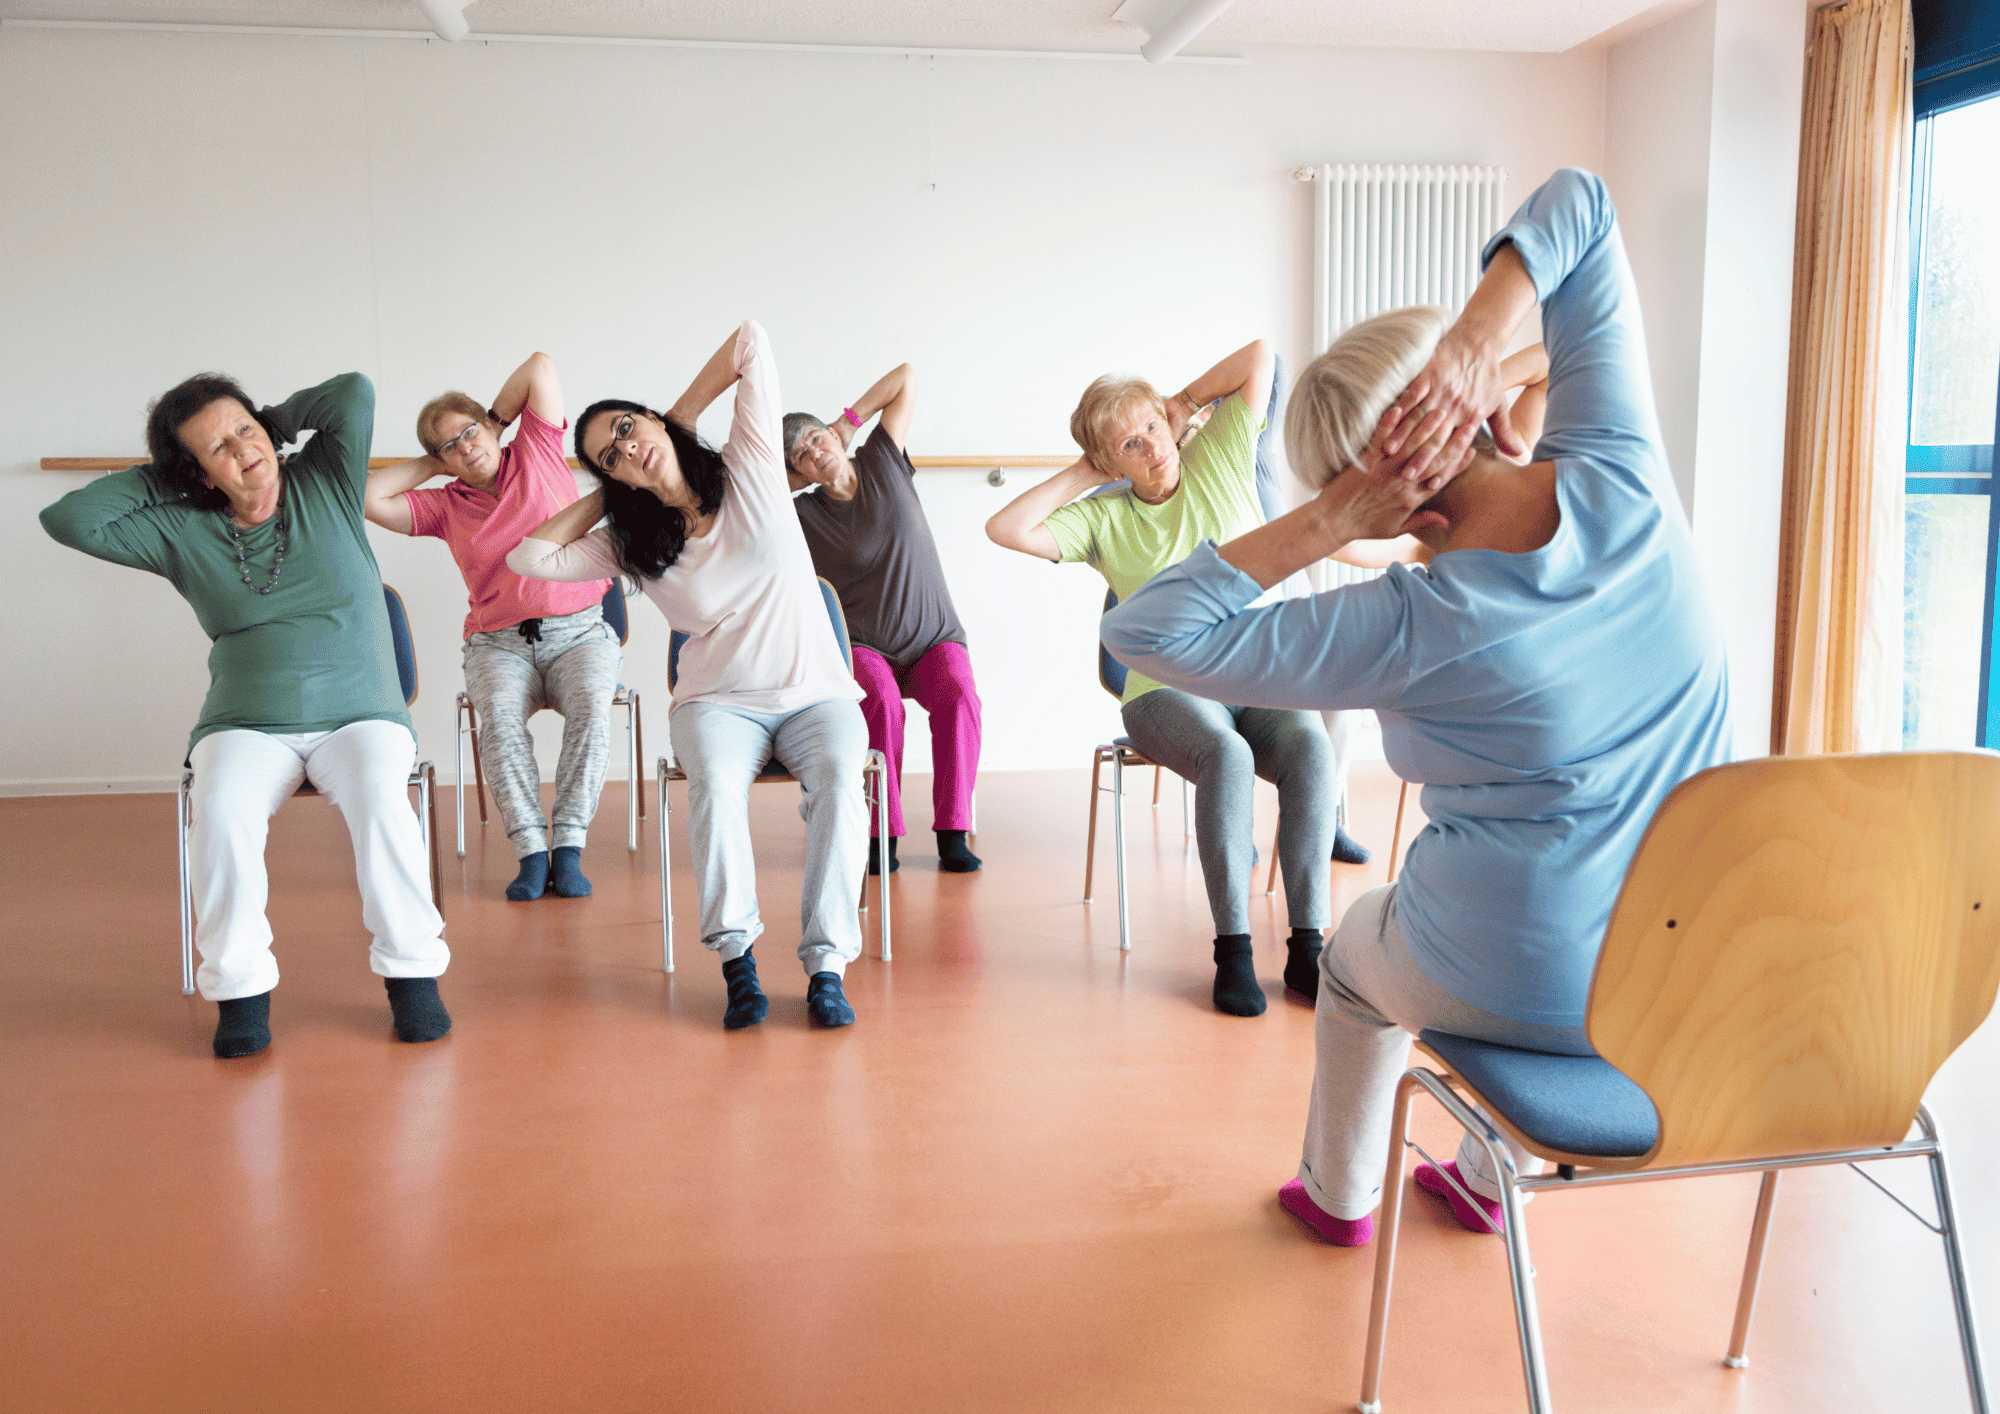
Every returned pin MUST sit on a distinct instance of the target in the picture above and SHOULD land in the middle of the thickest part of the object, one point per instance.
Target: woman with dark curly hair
(272, 554)
(713, 541)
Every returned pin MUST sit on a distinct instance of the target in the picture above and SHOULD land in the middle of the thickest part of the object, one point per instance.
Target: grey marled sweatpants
(572, 669)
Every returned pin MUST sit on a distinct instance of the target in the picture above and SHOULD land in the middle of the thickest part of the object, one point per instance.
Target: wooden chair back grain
(1799, 944)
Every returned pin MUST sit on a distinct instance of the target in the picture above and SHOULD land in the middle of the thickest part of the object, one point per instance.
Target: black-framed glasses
(621, 431)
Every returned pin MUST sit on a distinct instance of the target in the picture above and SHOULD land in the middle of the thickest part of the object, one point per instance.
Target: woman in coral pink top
(529, 643)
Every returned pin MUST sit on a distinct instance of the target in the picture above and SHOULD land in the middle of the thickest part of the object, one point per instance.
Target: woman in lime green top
(272, 555)
(1177, 498)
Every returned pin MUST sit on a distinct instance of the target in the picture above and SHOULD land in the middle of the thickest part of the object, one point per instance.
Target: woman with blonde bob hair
(1549, 676)
(1175, 502)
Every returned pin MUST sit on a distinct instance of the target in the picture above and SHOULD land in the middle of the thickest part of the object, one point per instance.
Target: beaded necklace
(243, 560)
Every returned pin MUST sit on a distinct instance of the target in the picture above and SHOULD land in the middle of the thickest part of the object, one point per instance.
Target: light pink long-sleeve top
(759, 635)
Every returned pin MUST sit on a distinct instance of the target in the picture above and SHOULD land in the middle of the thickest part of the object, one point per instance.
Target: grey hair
(1341, 395)
(797, 426)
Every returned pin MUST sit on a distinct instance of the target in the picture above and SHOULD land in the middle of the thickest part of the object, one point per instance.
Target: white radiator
(1385, 237)
(1389, 236)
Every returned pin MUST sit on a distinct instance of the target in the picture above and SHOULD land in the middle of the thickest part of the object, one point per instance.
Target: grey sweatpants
(1372, 998)
(825, 745)
(572, 669)
(1223, 750)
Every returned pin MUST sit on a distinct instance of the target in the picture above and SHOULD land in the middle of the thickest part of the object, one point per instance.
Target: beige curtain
(1838, 680)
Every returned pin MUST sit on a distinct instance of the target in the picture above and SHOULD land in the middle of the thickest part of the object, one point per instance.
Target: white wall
(1701, 154)
(287, 208)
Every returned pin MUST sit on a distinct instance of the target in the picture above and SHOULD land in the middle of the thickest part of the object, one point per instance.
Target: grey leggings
(1223, 750)
(573, 669)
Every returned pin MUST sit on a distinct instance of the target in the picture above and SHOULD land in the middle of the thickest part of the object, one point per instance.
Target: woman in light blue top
(1549, 677)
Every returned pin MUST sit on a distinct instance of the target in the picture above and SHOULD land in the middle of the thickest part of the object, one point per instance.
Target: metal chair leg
(1753, 1267)
(1526, 1314)
(183, 823)
(666, 876)
(631, 774)
(639, 748)
(458, 764)
(1187, 809)
(1271, 882)
(1118, 833)
(1090, 835)
(879, 765)
(427, 826)
(1157, 773)
(1954, 1259)
(1396, 840)
(1385, 1250)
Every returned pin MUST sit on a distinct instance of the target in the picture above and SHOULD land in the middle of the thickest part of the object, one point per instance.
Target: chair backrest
(833, 612)
(613, 605)
(1110, 672)
(406, 650)
(1799, 944)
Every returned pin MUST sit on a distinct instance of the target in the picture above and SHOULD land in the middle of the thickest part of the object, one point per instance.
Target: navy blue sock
(244, 1027)
(747, 1003)
(1236, 989)
(566, 872)
(875, 856)
(827, 1002)
(1302, 962)
(417, 1007)
(533, 880)
(1349, 850)
(953, 856)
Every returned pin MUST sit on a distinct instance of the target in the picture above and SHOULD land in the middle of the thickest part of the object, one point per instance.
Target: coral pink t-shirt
(482, 526)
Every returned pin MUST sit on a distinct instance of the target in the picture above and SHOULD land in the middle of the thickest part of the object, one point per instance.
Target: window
(1951, 533)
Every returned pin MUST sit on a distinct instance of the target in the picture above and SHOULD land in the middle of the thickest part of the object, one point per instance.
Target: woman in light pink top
(529, 643)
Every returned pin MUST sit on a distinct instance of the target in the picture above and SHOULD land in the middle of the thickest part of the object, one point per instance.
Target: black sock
(244, 1027)
(533, 880)
(747, 1003)
(417, 1007)
(826, 1001)
(1302, 962)
(875, 856)
(953, 856)
(566, 872)
(1349, 850)
(1236, 989)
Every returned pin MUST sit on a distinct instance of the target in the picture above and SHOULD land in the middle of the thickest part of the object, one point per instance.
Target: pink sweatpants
(941, 682)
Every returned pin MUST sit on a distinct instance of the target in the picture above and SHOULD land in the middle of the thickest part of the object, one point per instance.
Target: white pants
(240, 780)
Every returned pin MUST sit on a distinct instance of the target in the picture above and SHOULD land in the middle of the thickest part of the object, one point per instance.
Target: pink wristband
(848, 413)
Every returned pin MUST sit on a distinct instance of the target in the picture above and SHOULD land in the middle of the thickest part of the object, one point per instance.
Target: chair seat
(1576, 1104)
(770, 771)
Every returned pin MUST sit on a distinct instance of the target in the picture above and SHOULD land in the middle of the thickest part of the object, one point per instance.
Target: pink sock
(1432, 1181)
(1341, 1232)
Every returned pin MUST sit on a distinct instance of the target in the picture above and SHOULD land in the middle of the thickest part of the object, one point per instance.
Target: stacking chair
(467, 721)
(874, 784)
(423, 777)
(1799, 944)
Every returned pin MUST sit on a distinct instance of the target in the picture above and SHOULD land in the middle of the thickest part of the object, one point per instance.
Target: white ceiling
(1531, 25)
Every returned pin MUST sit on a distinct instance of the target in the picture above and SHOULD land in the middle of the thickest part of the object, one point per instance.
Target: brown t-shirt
(877, 553)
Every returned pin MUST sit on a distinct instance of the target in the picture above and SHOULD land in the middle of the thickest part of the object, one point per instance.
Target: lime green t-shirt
(1128, 541)
(315, 653)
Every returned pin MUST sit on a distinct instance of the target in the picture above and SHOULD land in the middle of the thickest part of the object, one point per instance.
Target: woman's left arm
(341, 415)
(1247, 372)
(533, 385)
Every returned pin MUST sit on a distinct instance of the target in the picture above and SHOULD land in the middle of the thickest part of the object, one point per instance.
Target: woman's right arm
(534, 385)
(382, 499)
(563, 547)
(1020, 524)
(115, 518)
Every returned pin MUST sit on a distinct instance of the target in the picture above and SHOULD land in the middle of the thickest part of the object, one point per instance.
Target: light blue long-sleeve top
(1548, 701)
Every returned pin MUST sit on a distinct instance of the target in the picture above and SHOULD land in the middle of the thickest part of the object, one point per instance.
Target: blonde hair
(1342, 394)
(1104, 400)
(437, 407)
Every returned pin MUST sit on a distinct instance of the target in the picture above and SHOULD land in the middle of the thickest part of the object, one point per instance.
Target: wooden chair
(874, 777)
(423, 779)
(466, 722)
(1799, 944)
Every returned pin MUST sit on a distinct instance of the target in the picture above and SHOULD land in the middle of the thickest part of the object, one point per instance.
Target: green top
(313, 654)
(1128, 541)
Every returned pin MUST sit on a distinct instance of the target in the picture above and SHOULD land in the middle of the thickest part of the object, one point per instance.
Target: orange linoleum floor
(1036, 1176)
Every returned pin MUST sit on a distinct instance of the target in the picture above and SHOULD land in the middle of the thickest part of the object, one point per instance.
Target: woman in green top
(1177, 499)
(272, 555)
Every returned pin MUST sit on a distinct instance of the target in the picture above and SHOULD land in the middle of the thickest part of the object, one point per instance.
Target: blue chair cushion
(406, 650)
(613, 606)
(1578, 1104)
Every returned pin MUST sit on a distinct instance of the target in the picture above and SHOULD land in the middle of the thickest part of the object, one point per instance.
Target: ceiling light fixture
(447, 19)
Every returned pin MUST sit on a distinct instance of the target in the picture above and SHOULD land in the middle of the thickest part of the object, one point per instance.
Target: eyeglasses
(444, 450)
(621, 431)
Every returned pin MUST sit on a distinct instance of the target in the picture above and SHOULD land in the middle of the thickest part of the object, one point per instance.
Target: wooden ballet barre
(377, 463)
